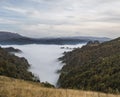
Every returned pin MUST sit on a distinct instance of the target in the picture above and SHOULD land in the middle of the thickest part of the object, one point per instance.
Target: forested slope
(93, 67)
(16, 67)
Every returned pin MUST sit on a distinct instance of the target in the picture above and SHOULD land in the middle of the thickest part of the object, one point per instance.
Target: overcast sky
(51, 18)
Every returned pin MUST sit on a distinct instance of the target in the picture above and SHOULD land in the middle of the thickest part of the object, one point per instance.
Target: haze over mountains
(14, 38)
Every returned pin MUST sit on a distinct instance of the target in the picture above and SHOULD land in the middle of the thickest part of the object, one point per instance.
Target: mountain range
(14, 38)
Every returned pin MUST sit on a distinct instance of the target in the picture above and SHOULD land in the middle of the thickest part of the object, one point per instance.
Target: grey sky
(51, 18)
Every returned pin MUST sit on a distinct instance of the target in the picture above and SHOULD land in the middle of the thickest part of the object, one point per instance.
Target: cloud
(45, 30)
(5, 21)
(15, 9)
(63, 17)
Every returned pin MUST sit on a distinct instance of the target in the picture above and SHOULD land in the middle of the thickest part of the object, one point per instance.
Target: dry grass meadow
(10, 87)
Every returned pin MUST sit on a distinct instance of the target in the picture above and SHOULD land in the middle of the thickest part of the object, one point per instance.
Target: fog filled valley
(44, 59)
(59, 48)
(59, 66)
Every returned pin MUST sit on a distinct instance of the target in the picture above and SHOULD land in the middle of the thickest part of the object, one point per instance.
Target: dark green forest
(95, 67)
(16, 67)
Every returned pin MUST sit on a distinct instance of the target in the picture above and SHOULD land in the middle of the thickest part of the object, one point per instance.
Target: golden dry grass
(10, 87)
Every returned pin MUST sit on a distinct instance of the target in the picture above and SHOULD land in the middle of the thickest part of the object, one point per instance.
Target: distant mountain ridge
(8, 35)
(14, 38)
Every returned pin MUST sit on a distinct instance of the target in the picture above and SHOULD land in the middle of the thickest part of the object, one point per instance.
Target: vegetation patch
(13, 66)
(93, 67)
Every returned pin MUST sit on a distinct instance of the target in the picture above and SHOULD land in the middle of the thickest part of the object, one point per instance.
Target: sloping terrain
(8, 35)
(13, 66)
(94, 67)
(10, 87)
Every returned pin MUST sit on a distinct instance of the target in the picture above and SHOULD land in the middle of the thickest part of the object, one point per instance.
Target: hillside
(8, 35)
(10, 87)
(11, 49)
(13, 66)
(93, 67)
(14, 38)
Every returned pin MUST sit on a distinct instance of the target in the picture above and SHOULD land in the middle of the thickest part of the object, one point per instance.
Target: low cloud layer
(51, 18)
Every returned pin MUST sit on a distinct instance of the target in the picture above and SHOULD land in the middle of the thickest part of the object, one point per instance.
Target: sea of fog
(44, 59)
